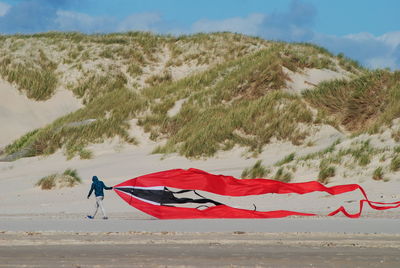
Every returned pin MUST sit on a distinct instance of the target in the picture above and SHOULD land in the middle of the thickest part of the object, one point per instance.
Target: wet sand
(172, 249)
(121, 223)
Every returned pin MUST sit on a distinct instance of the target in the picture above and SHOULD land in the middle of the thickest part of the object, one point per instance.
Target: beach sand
(166, 249)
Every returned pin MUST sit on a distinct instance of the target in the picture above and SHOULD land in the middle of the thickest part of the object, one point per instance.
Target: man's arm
(91, 190)
(107, 188)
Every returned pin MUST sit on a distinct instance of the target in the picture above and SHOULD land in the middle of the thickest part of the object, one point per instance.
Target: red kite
(150, 194)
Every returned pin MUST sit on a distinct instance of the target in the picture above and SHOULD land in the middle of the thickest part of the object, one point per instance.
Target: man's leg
(100, 204)
(96, 207)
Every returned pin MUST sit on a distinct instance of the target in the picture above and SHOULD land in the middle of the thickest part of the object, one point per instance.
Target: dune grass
(287, 159)
(93, 85)
(395, 163)
(23, 142)
(36, 77)
(256, 171)
(378, 174)
(305, 55)
(236, 101)
(325, 172)
(282, 175)
(69, 178)
(358, 157)
(363, 104)
(251, 123)
(114, 103)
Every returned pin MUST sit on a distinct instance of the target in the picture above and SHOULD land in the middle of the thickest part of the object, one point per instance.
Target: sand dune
(19, 115)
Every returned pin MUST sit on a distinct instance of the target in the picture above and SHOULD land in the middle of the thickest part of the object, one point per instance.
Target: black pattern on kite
(165, 196)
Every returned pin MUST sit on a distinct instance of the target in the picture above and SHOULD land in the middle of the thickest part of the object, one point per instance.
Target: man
(98, 186)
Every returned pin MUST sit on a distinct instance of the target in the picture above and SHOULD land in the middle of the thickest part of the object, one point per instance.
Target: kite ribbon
(194, 179)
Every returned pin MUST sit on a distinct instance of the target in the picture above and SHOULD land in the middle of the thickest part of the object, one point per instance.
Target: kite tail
(372, 204)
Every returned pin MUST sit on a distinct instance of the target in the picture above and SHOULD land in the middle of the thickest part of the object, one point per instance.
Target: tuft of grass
(256, 171)
(363, 153)
(69, 178)
(322, 153)
(282, 175)
(364, 160)
(396, 135)
(92, 85)
(157, 79)
(135, 70)
(48, 182)
(395, 163)
(325, 172)
(287, 159)
(72, 173)
(85, 154)
(378, 174)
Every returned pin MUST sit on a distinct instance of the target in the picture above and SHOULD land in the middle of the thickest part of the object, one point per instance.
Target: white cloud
(372, 51)
(392, 38)
(4, 8)
(249, 25)
(140, 22)
(360, 36)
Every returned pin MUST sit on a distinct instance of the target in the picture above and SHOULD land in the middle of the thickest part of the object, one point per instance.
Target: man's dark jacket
(98, 186)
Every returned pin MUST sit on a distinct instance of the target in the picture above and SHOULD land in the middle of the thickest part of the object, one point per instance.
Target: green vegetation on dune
(23, 142)
(364, 103)
(69, 178)
(282, 175)
(251, 123)
(237, 100)
(287, 159)
(92, 86)
(39, 63)
(37, 77)
(378, 174)
(256, 171)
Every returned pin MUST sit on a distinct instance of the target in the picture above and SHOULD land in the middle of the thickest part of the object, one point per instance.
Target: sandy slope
(309, 78)
(18, 114)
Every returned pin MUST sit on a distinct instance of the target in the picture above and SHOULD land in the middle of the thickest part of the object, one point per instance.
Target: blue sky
(365, 30)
